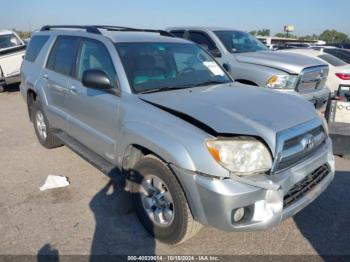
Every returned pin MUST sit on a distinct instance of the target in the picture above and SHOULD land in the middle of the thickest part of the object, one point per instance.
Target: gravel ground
(95, 216)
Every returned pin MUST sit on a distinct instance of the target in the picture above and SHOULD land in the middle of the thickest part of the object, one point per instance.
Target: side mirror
(96, 79)
(215, 52)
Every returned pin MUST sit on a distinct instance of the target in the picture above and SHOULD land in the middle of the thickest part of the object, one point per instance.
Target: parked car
(250, 62)
(341, 45)
(339, 71)
(12, 50)
(298, 45)
(340, 53)
(195, 147)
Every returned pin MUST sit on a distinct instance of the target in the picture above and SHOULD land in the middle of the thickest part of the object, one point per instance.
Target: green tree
(333, 36)
(23, 34)
(264, 32)
(253, 32)
(285, 35)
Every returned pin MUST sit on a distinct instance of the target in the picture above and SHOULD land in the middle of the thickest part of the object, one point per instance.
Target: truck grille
(304, 186)
(299, 147)
(298, 143)
(312, 78)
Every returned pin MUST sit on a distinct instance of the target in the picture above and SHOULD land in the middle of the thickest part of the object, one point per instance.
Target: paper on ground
(54, 182)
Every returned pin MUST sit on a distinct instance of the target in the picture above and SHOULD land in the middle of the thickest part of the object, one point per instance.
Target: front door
(93, 114)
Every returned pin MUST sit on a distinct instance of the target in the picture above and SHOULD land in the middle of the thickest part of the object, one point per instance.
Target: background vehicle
(249, 62)
(195, 147)
(12, 50)
(342, 45)
(342, 54)
(339, 71)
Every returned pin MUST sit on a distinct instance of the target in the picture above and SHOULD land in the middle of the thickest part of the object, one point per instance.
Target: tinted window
(341, 54)
(240, 42)
(178, 33)
(8, 41)
(94, 55)
(202, 40)
(334, 61)
(152, 67)
(62, 57)
(35, 45)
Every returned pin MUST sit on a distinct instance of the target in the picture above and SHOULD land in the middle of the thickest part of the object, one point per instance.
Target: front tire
(160, 202)
(42, 128)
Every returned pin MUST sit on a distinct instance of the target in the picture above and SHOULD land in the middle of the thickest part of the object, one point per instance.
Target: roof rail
(121, 28)
(89, 29)
(94, 29)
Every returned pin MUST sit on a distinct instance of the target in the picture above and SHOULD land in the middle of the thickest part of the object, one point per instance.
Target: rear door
(59, 69)
(93, 114)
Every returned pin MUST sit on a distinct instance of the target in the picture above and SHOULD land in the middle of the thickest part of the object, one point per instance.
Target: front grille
(296, 148)
(304, 186)
(313, 78)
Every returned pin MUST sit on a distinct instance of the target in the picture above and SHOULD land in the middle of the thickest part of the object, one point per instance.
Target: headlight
(241, 155)
(324, 122)
(282, 81)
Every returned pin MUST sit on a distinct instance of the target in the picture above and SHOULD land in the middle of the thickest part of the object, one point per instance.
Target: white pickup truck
(12, 49)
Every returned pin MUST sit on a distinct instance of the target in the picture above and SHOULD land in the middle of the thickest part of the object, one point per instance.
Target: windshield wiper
(169, 88)
(162, 89)
(211, 82)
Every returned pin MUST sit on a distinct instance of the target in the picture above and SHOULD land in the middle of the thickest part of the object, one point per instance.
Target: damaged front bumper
(214, 201)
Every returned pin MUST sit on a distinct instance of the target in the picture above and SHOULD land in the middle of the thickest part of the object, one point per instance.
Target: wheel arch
(32, 96)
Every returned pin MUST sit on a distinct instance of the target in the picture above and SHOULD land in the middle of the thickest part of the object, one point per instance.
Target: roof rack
(121, 28)
(89, 29)
(94, 29)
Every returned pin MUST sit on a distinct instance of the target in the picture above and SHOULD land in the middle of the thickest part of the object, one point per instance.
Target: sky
(308, 16)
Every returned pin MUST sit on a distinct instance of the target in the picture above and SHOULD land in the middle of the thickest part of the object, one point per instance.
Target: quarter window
(202, 40)
(94, 55)
(178, 33)
(35, 46)
(62, 57)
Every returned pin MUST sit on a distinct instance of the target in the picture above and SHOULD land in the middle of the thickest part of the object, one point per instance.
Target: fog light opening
(238, 214)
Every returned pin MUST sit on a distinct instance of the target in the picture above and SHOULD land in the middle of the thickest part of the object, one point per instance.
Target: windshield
(163, 66)
(7, 41)
(240, 42)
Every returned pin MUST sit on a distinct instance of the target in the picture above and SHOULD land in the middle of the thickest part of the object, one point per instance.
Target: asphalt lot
(94, 216)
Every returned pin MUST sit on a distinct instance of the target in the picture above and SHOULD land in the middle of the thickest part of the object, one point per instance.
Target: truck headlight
(324, 122)
(241, 155)
(282, 81)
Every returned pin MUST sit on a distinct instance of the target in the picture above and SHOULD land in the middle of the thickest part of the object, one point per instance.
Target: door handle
(72, 89)
(45, 76)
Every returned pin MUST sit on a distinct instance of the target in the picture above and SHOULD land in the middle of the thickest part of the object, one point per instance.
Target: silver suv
(250, 62)
(193, 146)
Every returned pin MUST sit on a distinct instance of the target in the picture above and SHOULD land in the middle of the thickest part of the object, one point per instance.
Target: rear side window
(62, 56)
(341, 54)
(178, 33)
(35, 46)
(203, 40)
(334, 61)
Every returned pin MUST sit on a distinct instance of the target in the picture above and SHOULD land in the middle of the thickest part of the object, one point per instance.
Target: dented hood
(288, 62)
(236, 109)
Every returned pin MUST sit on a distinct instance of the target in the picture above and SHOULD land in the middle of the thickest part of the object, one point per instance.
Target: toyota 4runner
(194, 147)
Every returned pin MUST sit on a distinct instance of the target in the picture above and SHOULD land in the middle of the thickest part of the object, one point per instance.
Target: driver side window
(203, 40)
(94, 55)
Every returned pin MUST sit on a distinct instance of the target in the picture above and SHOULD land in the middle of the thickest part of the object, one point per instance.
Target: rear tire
(42, 128)
(176, 223)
